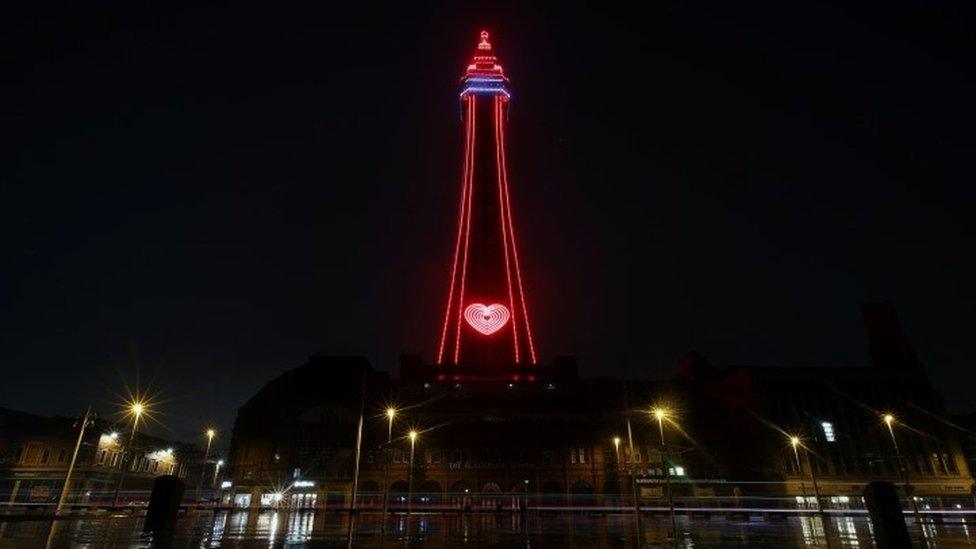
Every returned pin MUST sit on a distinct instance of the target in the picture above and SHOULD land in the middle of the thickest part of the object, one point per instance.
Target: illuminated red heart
(487, 319)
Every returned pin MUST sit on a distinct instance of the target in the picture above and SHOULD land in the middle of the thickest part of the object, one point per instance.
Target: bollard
(164, 504)
(887, 518)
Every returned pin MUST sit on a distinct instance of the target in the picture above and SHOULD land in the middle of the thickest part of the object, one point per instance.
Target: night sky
(202, 198)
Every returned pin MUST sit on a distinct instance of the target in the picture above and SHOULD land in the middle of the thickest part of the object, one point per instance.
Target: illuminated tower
(486, 321)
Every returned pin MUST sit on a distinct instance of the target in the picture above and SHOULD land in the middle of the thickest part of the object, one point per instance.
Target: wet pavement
(443, 530)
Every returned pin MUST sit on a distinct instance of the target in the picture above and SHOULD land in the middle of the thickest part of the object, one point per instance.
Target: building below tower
(560, 440)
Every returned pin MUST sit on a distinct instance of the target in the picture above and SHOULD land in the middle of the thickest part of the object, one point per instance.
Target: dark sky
(205, 197)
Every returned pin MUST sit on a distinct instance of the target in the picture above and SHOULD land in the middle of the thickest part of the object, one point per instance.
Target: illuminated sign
(487, 319)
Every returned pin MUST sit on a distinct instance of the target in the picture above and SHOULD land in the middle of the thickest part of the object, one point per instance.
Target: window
(296, 473)
(101, 457)
(678, 471)
(242, 501)
(62, 455)
(950, 463)
(45, 455)
(828, 429)
(19, 454)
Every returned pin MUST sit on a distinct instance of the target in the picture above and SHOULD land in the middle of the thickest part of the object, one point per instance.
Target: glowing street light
(616, 449)
(890, 420)
(412, 435)
(135, 409)
(210, 433)
(660, 414)
(220, 463)
(796, 442)
(390, 414)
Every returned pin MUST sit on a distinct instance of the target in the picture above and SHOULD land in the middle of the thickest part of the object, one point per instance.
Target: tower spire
(486, 320)
(484, 44)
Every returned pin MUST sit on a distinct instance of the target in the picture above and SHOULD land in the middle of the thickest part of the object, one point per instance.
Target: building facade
(35, 453)
(561, 440)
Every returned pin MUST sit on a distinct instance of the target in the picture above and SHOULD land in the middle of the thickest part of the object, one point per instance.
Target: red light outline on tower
(485, 80)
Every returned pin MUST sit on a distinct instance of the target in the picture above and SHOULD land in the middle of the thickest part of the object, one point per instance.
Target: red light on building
(486, 320)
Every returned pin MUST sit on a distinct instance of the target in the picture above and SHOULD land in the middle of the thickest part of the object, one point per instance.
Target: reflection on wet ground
(329, 529)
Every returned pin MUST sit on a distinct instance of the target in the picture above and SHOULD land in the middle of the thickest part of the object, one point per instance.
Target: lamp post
(412, 435)
(219, 464)
(210, 434)
(797, 442)
(74, 458)
(390, 415)
(616, 453)
(136, 409)
(889, 421)
(633, 479)
(660, 414)
(358, 458)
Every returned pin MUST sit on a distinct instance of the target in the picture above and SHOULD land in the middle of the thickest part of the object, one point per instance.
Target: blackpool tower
(486, 320)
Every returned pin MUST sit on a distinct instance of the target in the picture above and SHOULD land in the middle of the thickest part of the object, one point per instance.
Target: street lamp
(796, 442)
(220, 463)
(136, 409)
(210, 434)
(660, 414)
(889, 421)
(74, 458)
(412, 435)
(391, 413)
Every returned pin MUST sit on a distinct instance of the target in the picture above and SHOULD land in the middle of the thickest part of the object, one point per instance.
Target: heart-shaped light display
(487, 319)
